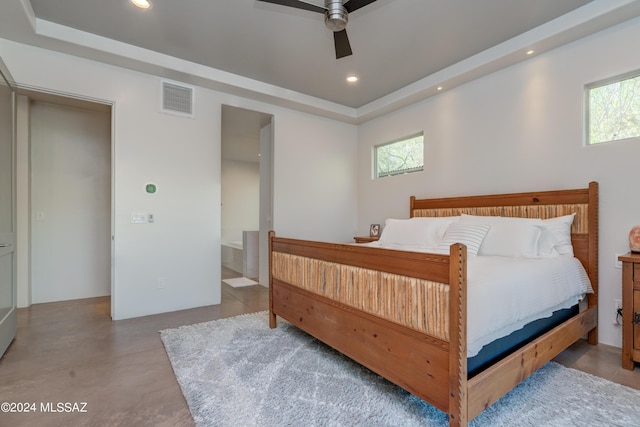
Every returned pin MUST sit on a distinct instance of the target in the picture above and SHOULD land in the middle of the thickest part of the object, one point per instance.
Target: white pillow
(555, 236)
(508, 236)
(420, 231)
(468, 234)
(433, 228)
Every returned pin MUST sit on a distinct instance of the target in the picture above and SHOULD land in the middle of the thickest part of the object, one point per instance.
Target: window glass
(613, 109)
(400, 157)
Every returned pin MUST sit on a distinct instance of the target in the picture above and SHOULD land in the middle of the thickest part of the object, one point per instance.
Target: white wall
(314, 178)
(240, 198)
(315, 186)
(178, 154)
(519, 129)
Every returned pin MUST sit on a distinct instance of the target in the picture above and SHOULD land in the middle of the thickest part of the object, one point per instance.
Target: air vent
(177, 99)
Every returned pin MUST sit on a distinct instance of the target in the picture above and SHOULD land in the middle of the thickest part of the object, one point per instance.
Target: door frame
(23, 179)
(267, 135)
(266, 165)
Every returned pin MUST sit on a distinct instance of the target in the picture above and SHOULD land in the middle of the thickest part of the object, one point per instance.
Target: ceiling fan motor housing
(336, 16)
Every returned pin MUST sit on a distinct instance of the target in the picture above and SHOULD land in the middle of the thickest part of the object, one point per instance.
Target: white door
(7, 216)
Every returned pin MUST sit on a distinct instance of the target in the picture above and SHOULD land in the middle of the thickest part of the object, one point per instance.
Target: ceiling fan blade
(341, 41)
(314, 3)
(297, 4)
(352, 5)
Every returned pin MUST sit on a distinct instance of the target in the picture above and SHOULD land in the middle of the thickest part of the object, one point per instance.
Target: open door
(8, 281)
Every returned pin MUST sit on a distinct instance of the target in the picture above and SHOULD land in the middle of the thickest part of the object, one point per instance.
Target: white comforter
(504, 294)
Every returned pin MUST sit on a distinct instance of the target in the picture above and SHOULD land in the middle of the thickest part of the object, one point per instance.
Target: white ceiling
(395, 42)
(402, 49)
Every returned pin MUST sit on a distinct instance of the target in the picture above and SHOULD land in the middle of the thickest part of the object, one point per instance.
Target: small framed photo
(374, 230)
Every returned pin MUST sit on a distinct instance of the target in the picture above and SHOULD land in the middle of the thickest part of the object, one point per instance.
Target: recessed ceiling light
(352, 78)
(530, 52)
(142, 4)
(439, 88)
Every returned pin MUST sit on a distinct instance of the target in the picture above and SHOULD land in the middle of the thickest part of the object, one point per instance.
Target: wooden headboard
(545, 204)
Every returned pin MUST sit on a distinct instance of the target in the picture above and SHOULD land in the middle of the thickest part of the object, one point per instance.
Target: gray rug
(238, 372)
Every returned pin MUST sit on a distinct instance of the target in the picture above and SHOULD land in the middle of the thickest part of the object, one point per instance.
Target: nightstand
(630, 309)
(365, 239)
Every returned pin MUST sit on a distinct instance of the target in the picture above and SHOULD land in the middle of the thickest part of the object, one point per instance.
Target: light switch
(139, 218)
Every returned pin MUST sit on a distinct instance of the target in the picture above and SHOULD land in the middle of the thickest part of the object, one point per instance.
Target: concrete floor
(71, 352)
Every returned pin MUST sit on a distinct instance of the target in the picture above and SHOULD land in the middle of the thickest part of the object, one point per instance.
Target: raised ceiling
(402, 49)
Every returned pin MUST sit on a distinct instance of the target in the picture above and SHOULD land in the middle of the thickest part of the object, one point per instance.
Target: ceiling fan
(336, 16)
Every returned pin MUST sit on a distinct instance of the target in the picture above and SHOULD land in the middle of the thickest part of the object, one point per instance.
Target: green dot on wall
(151, 188)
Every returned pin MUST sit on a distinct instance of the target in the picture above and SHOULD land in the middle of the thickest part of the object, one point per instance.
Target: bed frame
(403, 314)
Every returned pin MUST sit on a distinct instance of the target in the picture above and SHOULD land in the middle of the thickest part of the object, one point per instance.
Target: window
(613, 109)
(400, 157)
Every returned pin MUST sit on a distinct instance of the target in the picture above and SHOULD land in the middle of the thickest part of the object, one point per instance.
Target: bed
(403, 314)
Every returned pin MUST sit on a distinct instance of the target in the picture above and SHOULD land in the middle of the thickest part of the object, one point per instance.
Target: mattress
(504, 294)
(502, 347)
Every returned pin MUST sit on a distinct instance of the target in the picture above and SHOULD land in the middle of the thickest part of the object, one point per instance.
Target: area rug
(238, 282)
(238, 372)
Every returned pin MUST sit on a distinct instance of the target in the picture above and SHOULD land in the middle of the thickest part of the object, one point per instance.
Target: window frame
(395, 141)
(587, 105)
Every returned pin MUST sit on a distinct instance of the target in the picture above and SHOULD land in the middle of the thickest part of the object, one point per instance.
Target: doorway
(70, 199)
(246, 183)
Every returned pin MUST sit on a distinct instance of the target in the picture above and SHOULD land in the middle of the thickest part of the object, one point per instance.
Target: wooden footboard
(400, 314)
(403, 314)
